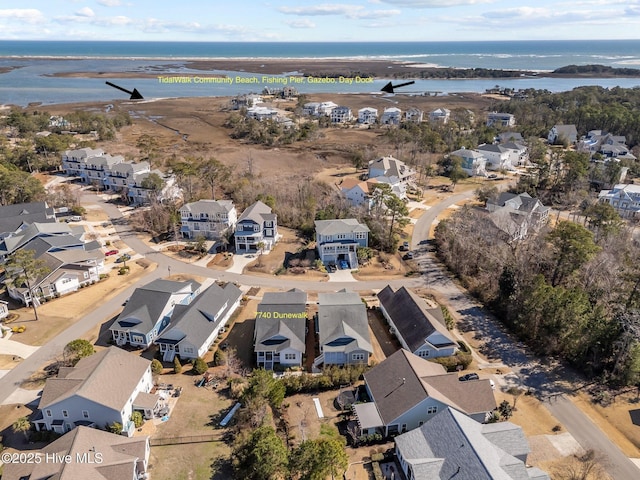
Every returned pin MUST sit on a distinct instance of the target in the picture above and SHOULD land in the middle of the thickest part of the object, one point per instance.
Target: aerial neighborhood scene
(260, 255)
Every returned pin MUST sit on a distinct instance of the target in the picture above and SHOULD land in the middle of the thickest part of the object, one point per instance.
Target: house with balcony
(414, 115)
(262, 113)
(73, 160)
(497, 156)
(194, 327)
(343, 330)
(624, 198)
(341, 114)
(491, 451)
(498, 119)
(311, 109)
(393, 169)
(609, 146)
(279, 337)
(95, 170)
(325, 108)
(338, 240)
(418, 327)
(391, 116)
(248, 100)
(368, 115)
(518, 153)
(406, 391)
(100, 389)
(440, 115)
(141, 190)
(473, 162)
(211, 219)
(257, 226)
(517, 215)
(96, 454)
(149, 309)
(122, 174)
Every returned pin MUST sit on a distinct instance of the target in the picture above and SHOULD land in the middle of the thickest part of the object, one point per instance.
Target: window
(423, 353)
(341, 236)
(65, 413)
(48, 412)
(432, 410)
(85, 414)
(358, 357)
(289, 356)
(361, 235)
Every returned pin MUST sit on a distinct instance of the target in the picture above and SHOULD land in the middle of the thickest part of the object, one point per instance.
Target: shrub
(177, 366)
(377, 457)
(452, 362)
(377, 471)
(448, 319)
(156, 366)
(136, 418)
(199, 366)
(115, 427)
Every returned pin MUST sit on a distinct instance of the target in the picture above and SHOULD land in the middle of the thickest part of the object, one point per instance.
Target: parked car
(404, 247)
(74, 218)
(408, 256)
(469, 376)
(111, 252)
(123, 258)
(344, 265)
(331, 268)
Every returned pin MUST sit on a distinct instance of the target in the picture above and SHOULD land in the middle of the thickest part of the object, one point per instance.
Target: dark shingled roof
(413, 320)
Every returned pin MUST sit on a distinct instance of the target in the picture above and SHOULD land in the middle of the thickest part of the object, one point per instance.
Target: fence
(156, 442)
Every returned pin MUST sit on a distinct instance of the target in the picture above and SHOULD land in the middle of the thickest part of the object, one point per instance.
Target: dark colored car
(469, 376)
(123, 258)
(331, 268)
(408, 256)
(404, 247)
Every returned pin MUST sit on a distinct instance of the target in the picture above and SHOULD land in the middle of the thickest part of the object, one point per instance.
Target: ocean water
(37, 60)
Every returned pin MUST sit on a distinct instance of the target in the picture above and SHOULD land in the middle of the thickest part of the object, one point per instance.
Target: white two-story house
(338, 240)
(208, 218)
(368, 115)
(341, 114)
(72, 160)
(257, 225)
(473, 162)
(391, 116)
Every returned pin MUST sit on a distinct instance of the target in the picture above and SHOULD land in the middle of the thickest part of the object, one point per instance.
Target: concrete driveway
(11, 347)
(341, 276)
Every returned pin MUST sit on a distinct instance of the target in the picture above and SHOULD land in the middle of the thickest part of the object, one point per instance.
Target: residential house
(419, 328)
(407, 390)
(341, 114)
(95, 454)
(262, 113)
(624, 198)
(74, 160)
(246, 101)
(452, 445)
(439, 115)
(4, 309)
(120, 176)
(516, 215)
(358, 192)
(611, 147)
(211, 219)
(14, 218)
(500, 119)
(149, 309)
(391, 116)
(368, 115)
(279, 336)
(194, 327)
(338, 240)
(563, 134)
(413, 114)
(505, 137)
(498, 157)
(257, 225)
(518, 153)
(101, 389)
(311, 109)
(95, 170)
(325, 108)
(473, 162)
(393, 169)
(343, 329)
(140, 191)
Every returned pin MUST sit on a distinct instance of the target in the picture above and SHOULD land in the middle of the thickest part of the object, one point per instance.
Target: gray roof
(413, 320)
(12, 243)
(341, 225)
(122, 457)
(108, 378)
(467, 153)
(147, 303)
(342, 315)
(12, 217)
(403, 380)
(391, 166)
(258, 213)
(510, 136)
(492, 148)
(195, 322)
(208, 206)
(454, 445)
(284, 325)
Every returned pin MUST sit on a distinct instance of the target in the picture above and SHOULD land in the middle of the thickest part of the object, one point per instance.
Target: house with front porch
(406, 391)
(341, 114)
(497, 156)
(339, 239)
(100, 389)
(119, 176)
(95, 454)
(391, 116)
(211, 219)
(368, 115)
(149, 310)
(193, 327)
(414, 115)
(279, 337)
(624, 198)
(500, 119)
(73, 160)
(418, 327)
(491, 451)
(95, 170)
(256, 227)
(343, 330)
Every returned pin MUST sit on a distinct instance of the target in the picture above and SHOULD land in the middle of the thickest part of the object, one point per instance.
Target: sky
(316, 20)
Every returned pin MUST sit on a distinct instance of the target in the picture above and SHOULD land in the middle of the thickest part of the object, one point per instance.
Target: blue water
(38, 59)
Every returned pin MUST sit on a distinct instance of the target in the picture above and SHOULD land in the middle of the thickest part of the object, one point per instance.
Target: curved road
(473, 317)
